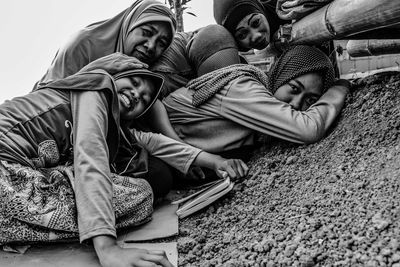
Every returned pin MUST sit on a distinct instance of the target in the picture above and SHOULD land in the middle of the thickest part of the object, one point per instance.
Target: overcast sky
(32, 30)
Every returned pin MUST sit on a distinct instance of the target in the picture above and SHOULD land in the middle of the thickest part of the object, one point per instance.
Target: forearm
(207, 160)
(157, 118)
(93, 185)
(251, 105)
(175, 153)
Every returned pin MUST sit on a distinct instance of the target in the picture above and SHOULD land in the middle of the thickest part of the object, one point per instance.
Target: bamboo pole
(364, 48)
(383, 33)
(343, 18)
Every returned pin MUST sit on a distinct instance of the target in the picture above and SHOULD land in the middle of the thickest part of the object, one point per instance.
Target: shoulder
(247, 86)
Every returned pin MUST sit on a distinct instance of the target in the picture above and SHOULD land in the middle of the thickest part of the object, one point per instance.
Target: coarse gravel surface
(332, 203)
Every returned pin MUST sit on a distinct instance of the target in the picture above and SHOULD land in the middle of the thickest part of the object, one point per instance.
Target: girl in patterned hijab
(143, 30)
(222, 110)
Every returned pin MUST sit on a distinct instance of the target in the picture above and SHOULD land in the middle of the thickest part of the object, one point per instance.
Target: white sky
(32, 30)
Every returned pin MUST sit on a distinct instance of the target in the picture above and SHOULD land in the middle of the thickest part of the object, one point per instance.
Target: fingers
(223, 174)
(242, 168)
(198, 172)
(195, 173)
(157, 257)
(235, 168)
(115, 63)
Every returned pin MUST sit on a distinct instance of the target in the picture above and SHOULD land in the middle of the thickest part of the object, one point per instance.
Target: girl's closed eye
(163, 43)
(147, 32)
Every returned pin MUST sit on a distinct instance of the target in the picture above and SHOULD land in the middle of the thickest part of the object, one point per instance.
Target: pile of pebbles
(333, 203)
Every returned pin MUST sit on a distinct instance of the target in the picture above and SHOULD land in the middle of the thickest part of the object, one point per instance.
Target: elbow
(311, 133)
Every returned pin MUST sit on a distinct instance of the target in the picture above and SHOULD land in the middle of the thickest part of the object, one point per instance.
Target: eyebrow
(248, 21)
(298, 83)
(255, 14)
(154, 29)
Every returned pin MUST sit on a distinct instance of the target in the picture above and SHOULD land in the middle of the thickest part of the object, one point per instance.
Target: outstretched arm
(182, 156)
(93, 185)
(248, 103)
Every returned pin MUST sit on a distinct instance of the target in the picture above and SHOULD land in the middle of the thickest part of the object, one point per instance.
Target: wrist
(217, 161)
(102, 242)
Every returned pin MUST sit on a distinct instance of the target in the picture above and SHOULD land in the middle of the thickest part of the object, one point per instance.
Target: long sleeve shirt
(231, 117)
(50, 127)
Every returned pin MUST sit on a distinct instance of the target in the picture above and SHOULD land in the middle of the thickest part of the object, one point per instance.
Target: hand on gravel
(232, 168)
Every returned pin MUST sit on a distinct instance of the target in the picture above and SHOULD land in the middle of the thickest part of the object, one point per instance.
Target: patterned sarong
(39, 205)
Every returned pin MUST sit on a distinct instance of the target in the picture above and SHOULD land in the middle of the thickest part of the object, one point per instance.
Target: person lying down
(70, 167)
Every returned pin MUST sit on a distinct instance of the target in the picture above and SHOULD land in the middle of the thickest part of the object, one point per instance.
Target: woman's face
(148, 41)
(302, 91)
(253, 32)
(135, 94)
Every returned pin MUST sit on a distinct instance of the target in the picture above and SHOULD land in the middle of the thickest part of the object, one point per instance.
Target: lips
(261, 45)
(128, 101)
(142, 55)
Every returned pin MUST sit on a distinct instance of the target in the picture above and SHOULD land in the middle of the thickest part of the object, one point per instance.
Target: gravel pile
(333, 203)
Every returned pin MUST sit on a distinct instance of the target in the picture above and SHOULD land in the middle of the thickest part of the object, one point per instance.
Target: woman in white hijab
(143, 31)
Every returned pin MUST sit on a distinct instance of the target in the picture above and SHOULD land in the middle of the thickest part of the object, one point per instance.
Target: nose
(135, 95)
(256, 37)
(297, 103)
(150, 45)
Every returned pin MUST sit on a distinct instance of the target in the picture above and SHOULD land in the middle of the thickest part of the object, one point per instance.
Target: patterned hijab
(104, 38)
(294, 62)
(299, 60)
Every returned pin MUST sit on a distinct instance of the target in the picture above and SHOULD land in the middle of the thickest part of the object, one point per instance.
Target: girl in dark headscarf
(251, 22)
(143, 30)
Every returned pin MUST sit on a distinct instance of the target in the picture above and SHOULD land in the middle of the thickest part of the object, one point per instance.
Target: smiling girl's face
(301, 92)
(253, 32)
(135, 94)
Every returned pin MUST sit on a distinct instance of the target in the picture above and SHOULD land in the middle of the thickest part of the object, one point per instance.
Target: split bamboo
(343, 18)
(363, 48)
(382, 33)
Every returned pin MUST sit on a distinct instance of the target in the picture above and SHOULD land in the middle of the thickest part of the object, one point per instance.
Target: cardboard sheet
(164, 224)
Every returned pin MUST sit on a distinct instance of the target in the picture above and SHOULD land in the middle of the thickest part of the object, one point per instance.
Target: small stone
(306, 261)
(289, 250)
(396, 257)
(386, 252)
(291, 160)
